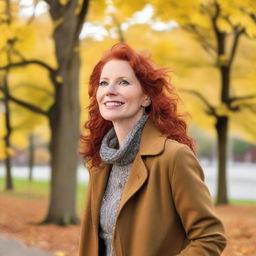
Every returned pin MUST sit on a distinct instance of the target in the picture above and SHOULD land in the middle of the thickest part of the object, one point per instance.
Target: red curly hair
(155, 83)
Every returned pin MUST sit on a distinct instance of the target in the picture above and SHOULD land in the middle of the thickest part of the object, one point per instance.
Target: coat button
(120, 185)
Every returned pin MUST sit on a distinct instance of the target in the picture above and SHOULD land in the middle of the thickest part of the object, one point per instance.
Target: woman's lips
(113, 104)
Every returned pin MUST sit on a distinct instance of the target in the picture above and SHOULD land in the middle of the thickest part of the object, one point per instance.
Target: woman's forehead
(120, 68)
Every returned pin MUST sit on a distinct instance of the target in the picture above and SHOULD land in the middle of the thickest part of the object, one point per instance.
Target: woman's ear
(146, 102)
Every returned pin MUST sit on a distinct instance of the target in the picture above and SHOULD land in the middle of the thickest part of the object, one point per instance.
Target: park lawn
(242, 202)
(38, 189)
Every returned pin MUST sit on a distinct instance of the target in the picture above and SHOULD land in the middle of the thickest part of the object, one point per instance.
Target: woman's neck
(123, 127)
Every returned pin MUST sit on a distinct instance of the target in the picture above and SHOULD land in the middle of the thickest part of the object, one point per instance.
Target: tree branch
(25, 104)
(250, 14)
(35, 2)
(28, 62)
(215, 17)
(251, 107)
(49, 93)
(81, 17)
(210, 108)
(52, 71)
(245, 97)
(237, 35)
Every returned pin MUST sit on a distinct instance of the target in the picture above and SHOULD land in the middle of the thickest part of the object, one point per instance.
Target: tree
(67, 18)
(5, 85)
(218, 26)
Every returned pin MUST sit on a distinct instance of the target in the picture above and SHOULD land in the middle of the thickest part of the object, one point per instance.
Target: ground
(18, 218)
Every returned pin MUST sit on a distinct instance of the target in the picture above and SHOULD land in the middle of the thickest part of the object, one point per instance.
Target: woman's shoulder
(172, 146)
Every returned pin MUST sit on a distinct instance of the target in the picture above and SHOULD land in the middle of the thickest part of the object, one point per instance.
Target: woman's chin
(112, 118)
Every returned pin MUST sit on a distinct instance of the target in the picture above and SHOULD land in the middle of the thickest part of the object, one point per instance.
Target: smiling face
(119, 95)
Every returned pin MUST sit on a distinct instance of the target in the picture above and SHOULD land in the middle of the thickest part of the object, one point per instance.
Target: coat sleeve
(195, 208)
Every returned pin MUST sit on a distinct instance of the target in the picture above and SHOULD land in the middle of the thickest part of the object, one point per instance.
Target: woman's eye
(124, 82)
(102, 83)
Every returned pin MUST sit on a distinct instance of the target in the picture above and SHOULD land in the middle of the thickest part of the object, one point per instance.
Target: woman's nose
(111, 89)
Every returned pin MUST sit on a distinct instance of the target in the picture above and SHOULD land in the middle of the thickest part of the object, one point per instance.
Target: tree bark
(7, 161)
(64, 121)
(222, 134)
(31, 157)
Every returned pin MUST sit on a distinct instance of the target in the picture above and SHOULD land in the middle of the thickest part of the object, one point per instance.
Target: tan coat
(166, 208)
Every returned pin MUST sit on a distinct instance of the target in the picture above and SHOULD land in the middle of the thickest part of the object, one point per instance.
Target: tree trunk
(9, 183)
(222, 132)
(7, 160)
(64, 123)
(31, 157)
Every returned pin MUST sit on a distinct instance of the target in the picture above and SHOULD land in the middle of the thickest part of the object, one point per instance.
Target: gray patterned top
(121, 160)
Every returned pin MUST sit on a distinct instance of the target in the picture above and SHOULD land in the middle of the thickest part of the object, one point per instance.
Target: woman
(146, 194)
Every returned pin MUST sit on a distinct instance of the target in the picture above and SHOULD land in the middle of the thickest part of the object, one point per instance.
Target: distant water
(241, 177)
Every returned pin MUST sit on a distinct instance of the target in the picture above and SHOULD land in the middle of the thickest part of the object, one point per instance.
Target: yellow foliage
(246, 128)
(223, 25)
(5, 152)
(96, 10)
(19, 139)
(124, 9)
(199, 13)
(2, 150)
(26, 38)
(22, 37)
(63, 2)
(2, 125)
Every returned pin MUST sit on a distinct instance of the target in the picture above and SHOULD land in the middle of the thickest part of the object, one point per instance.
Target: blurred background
(47, 52)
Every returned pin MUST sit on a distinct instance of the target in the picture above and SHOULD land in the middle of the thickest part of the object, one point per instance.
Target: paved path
(13, 247)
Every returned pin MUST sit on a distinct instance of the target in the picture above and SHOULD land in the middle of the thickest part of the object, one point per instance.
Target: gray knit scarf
(109, 152)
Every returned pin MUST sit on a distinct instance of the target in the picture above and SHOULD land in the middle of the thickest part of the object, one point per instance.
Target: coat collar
(152, 140)
(148, 146)
(152, 143)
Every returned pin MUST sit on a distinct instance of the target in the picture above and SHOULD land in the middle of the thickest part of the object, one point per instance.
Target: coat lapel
(136, 179)
(152, 143)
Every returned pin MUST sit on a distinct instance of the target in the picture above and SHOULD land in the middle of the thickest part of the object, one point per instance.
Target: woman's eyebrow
(121, 77)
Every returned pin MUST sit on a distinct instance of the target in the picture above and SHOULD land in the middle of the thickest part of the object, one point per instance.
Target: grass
(38, 189)
(242, 202)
